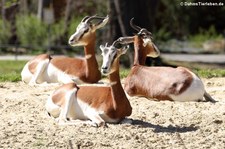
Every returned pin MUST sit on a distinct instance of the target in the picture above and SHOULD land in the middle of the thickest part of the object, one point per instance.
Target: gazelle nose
(104, 67)
(71, 41)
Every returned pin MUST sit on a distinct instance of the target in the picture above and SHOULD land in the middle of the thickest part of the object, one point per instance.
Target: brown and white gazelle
(43, 68)
(160, 83)
(98, 103)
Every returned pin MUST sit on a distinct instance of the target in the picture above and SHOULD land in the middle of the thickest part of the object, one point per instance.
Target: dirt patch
(25, 124)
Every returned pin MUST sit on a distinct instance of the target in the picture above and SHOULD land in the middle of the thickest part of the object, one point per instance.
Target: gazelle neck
(120, 101)
(114, 79)
(92, 72)
(139, 51)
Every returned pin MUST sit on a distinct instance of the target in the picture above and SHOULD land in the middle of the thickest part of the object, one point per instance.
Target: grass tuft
(210, 73)
(10, 70)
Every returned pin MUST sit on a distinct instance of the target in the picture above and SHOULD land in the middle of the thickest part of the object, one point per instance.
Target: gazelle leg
(95, 118)
(39, 71)
(66, 110)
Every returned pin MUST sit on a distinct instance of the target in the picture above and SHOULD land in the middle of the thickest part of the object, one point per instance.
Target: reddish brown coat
(154, 82)
(110, 99)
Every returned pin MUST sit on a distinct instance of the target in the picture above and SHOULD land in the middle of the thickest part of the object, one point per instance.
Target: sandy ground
(25, 124)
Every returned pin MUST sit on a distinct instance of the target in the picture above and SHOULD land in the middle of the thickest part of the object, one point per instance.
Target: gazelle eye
(143, 35)
(85, 31)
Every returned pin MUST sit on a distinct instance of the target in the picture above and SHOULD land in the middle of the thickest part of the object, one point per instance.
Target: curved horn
(85, 18)
(124, 40)
(94, 17)
(137, 28)
(143, 30)
(115, 43)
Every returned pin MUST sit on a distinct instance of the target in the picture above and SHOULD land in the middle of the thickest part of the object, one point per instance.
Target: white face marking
(146, 41)
(109, 54)
(82, 29)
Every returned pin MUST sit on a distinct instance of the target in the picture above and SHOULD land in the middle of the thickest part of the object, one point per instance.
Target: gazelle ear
(101, 23)
(124, 49)
(156, 48)
(152, 50)
(101, 47)
(126, 40)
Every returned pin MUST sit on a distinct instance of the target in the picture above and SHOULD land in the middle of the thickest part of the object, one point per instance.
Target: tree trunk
(23, 6)
(121, 11)
(40, 9)
(3, 13)
(68, 13)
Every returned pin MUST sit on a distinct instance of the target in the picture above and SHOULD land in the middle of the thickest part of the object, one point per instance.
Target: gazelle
(160, 83)
(100, 104)
(44, 68)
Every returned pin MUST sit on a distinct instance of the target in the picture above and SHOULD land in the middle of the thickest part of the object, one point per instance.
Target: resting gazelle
(97, 103)
(159, 83)
(44, 68)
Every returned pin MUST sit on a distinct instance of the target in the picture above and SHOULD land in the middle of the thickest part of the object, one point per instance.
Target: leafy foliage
(9, 2)
(124, 72)
(31, 31)
(205, 35)
(162, 34)
(56, 30)
(4, 32)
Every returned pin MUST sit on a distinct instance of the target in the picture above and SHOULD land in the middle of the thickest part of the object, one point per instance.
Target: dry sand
(185, 125)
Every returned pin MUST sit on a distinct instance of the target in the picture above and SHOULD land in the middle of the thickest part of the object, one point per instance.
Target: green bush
(4, 32)
(205, 35)
(162, 34)
(56, 31)
(73, 25)
(31, 31)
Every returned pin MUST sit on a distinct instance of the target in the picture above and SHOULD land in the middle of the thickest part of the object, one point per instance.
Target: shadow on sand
(164, 129)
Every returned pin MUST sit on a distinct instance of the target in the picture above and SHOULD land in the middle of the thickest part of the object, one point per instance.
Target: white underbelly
(194, 92)
(26, 75)
(57, 76)
(84, 111)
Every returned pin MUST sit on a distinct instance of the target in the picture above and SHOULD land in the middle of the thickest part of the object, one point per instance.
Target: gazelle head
(110, 55)
(85, 31)
(146, 36)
